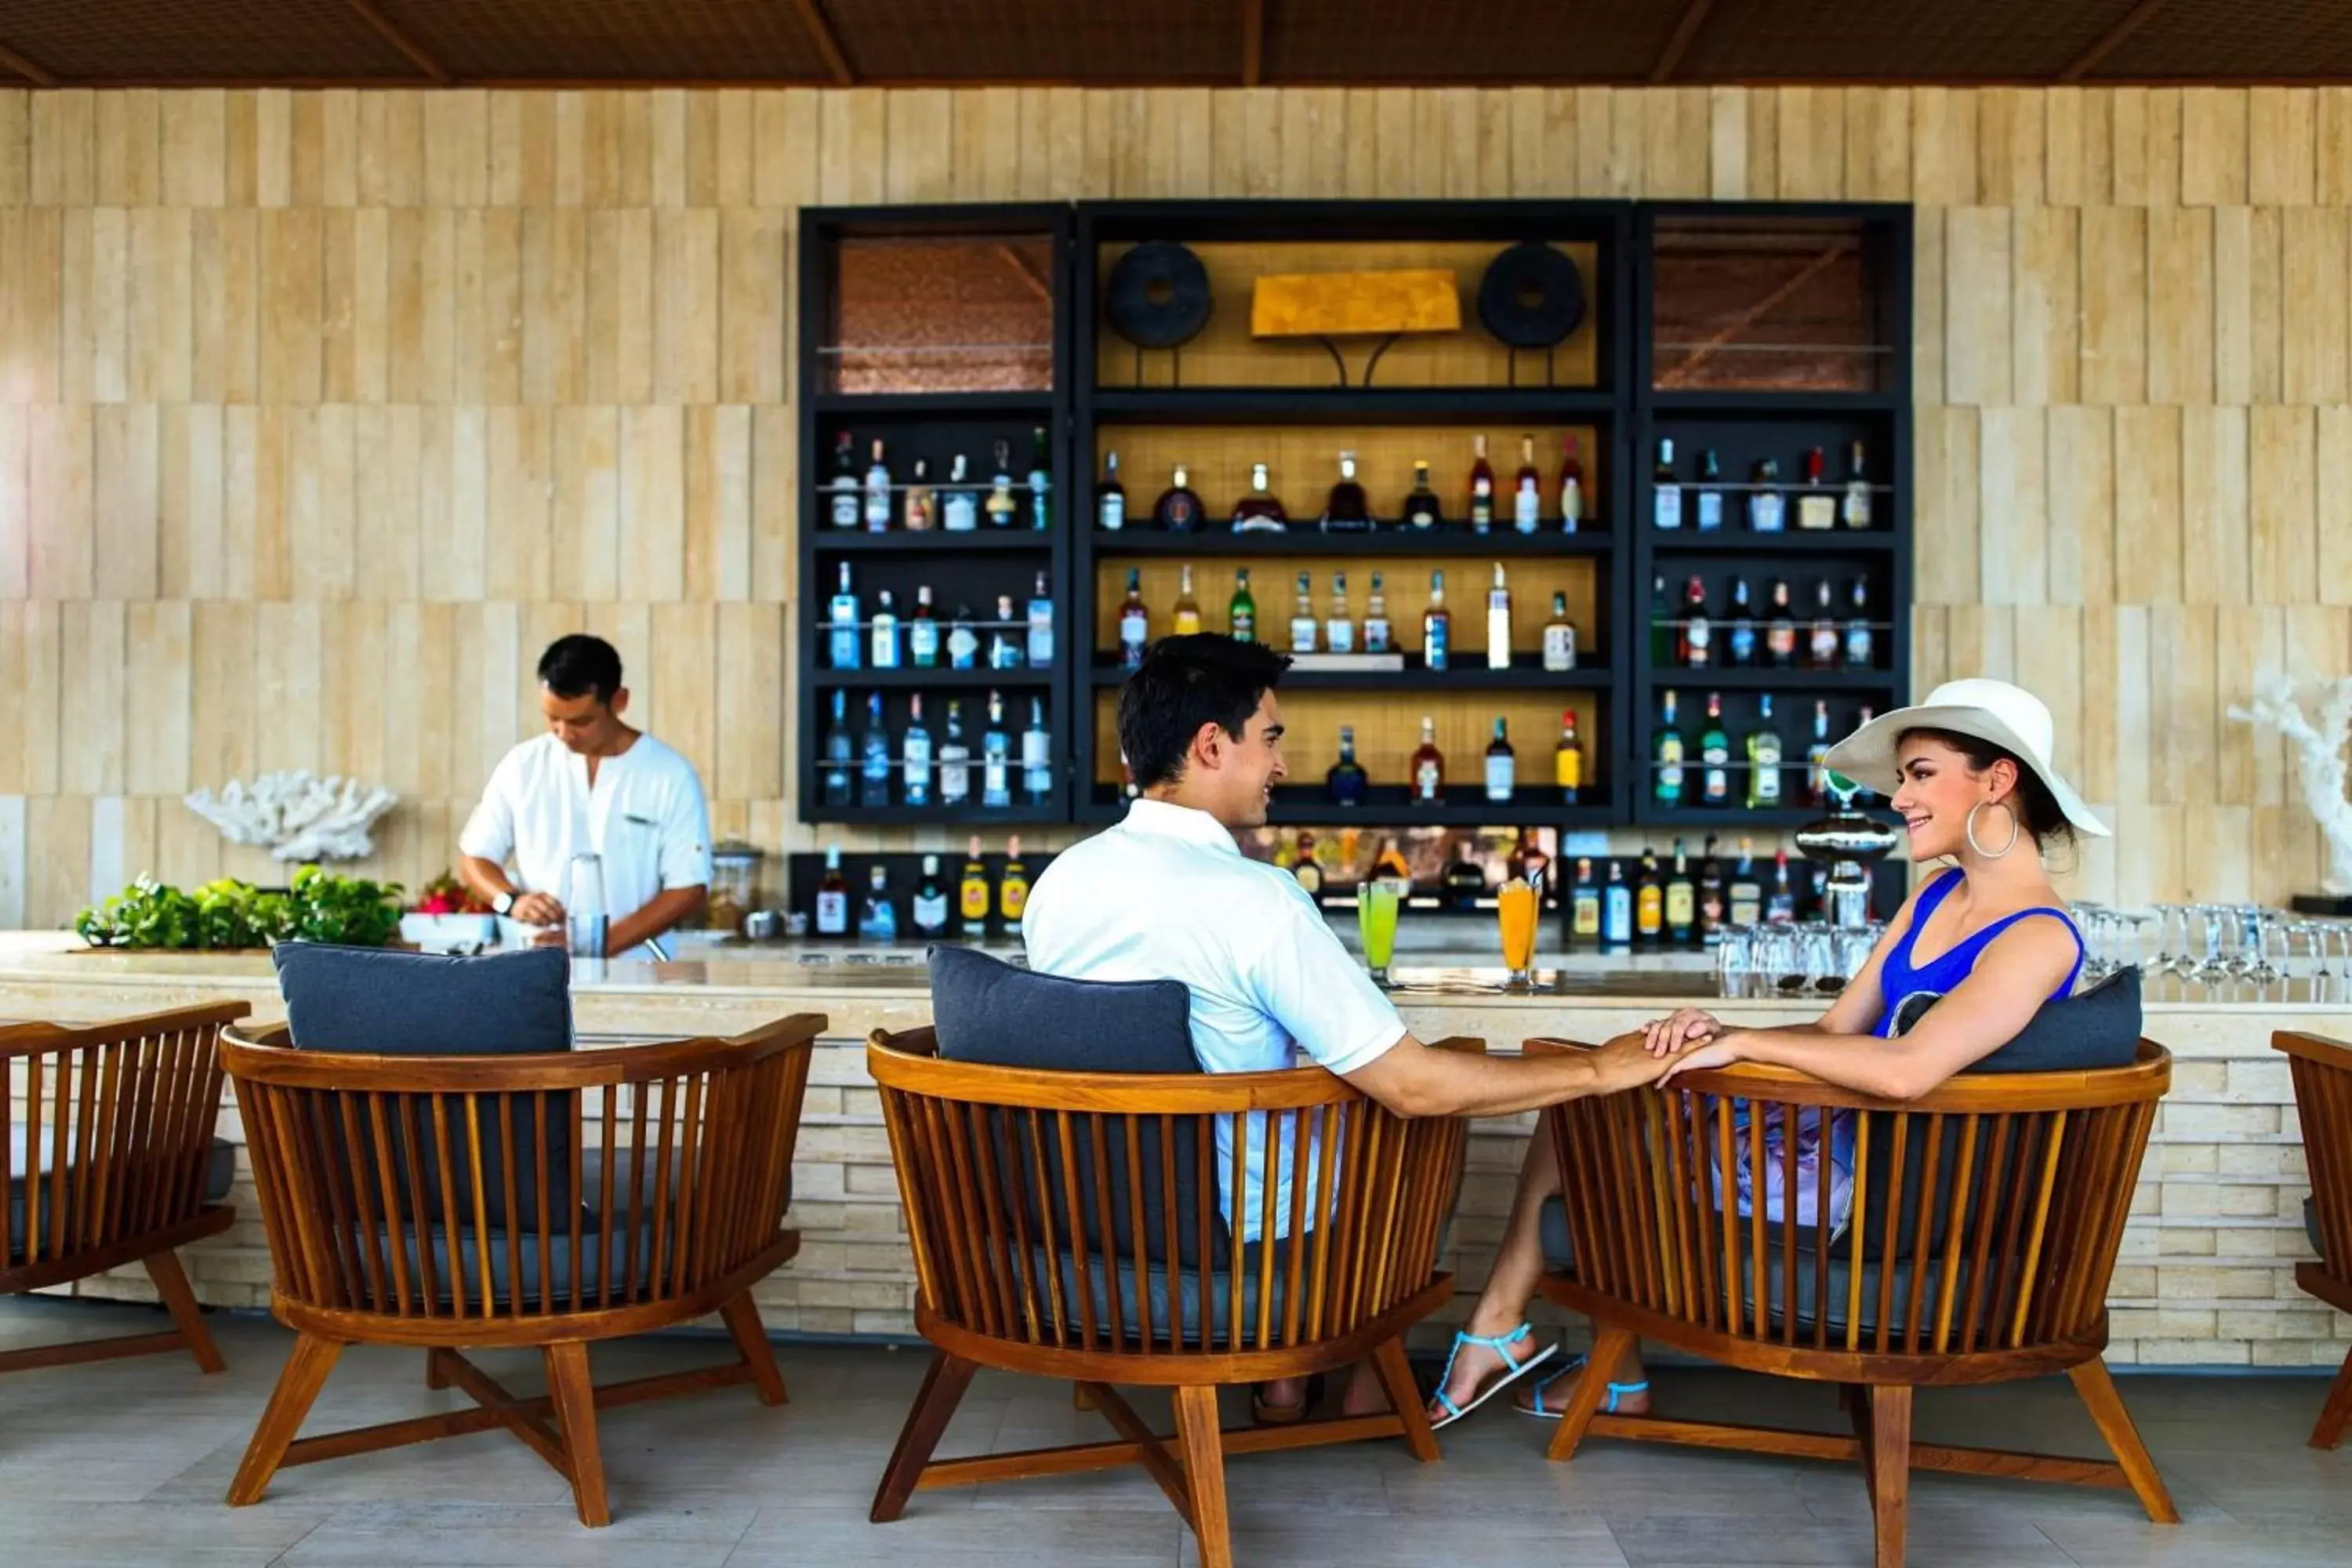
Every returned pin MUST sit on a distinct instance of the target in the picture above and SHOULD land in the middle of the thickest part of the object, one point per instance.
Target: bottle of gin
(1817, 770)
(1781, 631)
(1742, 640)
(1041, 625)
(1502, 764)
(1346, 780)
(1345, 510)
(1714, 757)
(1708, 503)
(877, 492)
(840, 753)
(1858, 641)
(1826, 643)
(1764, 757)
(1241, 610)
(915, 755)
(875, 770)
(1746, 906)
(844, 638)
(1668, 784)
(1302, 625)
(996, 758)
(1004, 652)
(877, 920)
(1339, 628)
(1037, 756)
(1134, 623)
(1376, 618)
(955, 761)
(923, 632)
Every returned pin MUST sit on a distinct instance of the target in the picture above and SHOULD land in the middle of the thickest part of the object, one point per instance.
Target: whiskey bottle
(1436, 625)
(1347, 780)
(1339, 631)
(1179, 510)
(1184, 621)
(971, 893)
(1502, 764)
(1584, 907)
(1767, 508)
(1428, 766)
(1855, 509)
(1649, 900)
(1134, 623)
(1013, 886)
(1421, 509)
(1498, 622)
(1302, 618)
(1816, 508)
(877, 492)
(1567, 760)
(1259, 511)
(1669, 783)
(1682, 897)
(1746, 905)
(1482, 489)
(1526, 497)
(846, 512)
(1110, 498)
(1764, 758)
(1708, 503)
(1376, 619)
(1345, 510)
(1241, 610)
(1697, 632)
(1714, 757)
(1781, 631)
(1666, 491)
(1571, 486)
(1559, 637)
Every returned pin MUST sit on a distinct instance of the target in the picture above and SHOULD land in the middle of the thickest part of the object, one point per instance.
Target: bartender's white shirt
(645, 819)
(1168, 895)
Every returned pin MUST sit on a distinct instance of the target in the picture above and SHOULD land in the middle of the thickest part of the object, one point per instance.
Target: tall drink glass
(1376, 919)
(1515, 911)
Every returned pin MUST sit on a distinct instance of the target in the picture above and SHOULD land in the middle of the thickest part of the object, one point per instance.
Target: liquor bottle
(955, 761)
(1502, 764)
(1867, 797)
(996, 758)
(915, 755)
(875, 786)
(1663, 640)
(1817, 770)
(1817, 507)
(1617, 910)
(1781, 631)
(972, 892)
(1134, 623)
(1859, 646)
(1697, 632)
(1767, 508)
(1571, 486)
(1481, 488)
(1302, 625)
(1649, 900)
(1037, 756)
(1041, 624)
(1259, 511)
(1825, 640)
(1743, 624)
(1376, 618)
(832, 897)
(1527, 497)
(1000, 505)
(1780, 907)
(1013, 886)
(842, 643)
(1421, 507)
(1707, 505)
(1463, 881)
(919, 511)
(1110, 498)
(1765, 753)
(1584, 906)
(1855, 509)
(877, 492)
(1714, 756)
(1346, 779)
(877, 920)
(884, 642)
(1306, 868)
(1428, 766)
(1567, 760)
(840, 753)
(959, 503)
(1436, 625)
(1746, 900)
(1559, 637)
(928, 913)
(1710, 893)
(1041, 482)
(1241, 610)
(923, 632)
(963, 643)
(1669, 742)
(1340, 628)
(1682, 897)
(1528, 860)
(1666, 491)
(1345, 510)
(1177, 510)
(1390, 862)
(1498, 622)
(1185, 619)
(1004, 653)
(846, 513)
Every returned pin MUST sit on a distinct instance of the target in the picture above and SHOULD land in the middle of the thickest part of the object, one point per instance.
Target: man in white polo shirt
(1167, 894)
(590, 785)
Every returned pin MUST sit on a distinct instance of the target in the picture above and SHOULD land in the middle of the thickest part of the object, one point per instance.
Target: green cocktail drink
(1376, 919)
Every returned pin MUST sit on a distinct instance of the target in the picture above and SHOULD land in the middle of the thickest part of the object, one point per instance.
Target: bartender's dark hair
(2037, 809)
(581, 666)
(1186, 682)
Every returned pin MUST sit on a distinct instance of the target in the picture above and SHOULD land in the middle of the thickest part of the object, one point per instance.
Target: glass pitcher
(583, 906)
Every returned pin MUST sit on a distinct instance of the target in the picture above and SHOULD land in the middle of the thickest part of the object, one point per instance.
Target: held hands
(1625, 1063)
(1665, 1037)
(1719, 1052)
(537, 909)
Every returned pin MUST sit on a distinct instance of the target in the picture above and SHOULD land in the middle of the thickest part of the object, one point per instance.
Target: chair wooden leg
(1890, 1470)
(2336, 1415)
(298, 1383)
(1204, 1473)
(1609, 1348)
(575, 1412)
(1404, 1397)
(935, 1407)
(171, 1284)
(436, 1373)
(751, 1343)
(2097, 1387)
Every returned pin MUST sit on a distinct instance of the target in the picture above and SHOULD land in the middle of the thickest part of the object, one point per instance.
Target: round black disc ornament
(1531, 296)
(1158, 296)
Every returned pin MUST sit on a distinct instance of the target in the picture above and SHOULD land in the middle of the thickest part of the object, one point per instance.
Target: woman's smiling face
(1939, 791)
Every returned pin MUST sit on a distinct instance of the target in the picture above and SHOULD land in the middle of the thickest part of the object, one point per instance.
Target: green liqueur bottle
(1241, 611)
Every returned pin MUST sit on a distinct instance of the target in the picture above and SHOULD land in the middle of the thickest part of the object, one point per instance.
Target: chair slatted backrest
(1986, 1215)
(1014, 1246)
(2322, 1071)
(678, 1155)
(112, 1127)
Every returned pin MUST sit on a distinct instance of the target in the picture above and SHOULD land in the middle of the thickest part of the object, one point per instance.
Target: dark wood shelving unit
(1389, 539)
(943, 679)
(1526, 673)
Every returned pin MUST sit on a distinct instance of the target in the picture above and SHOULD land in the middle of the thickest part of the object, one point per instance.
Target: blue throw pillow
(371, 1001)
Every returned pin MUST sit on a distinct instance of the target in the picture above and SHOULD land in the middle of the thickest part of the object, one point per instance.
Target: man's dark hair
(581, 666)
(1186, 682)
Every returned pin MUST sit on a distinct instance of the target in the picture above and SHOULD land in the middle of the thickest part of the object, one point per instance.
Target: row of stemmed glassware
(1791, 958)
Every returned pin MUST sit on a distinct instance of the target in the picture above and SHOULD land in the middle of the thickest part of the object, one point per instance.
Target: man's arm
(1413, 1079)
(488, 879)
(670, 906)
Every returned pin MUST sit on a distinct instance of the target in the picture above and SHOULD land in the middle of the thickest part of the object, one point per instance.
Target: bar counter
(2208, 1263)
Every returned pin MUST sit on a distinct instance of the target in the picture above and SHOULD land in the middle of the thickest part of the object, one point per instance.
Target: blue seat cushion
(380, 1002)
(220, 1174)
(627, 1263)
(1165, 1299)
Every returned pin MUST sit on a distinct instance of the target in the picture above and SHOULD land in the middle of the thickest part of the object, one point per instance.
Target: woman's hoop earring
(1970, 830)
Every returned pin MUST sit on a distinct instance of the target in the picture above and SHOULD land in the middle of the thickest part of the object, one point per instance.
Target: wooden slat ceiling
(374, 43)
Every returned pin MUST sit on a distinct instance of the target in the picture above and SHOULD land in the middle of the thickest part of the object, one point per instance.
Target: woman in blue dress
(1975, 949)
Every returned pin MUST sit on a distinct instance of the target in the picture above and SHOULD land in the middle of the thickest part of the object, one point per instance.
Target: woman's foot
(1483, 1360)
(1548, 1397)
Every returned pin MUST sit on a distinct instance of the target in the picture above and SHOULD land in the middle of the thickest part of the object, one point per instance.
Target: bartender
(590, 785)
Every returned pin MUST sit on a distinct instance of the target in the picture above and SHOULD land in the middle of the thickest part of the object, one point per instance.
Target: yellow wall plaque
(1344, 304)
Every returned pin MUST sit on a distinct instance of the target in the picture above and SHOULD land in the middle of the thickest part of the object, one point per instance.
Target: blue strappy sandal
(1616, 1391)
(1513, 1369)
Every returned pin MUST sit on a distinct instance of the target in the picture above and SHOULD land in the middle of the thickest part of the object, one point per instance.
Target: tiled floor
(126, 1462)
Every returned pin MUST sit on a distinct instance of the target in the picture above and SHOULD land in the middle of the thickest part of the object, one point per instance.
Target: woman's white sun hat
(2008, 716)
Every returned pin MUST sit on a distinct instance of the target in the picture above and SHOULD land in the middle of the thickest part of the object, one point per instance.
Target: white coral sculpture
(295, 816)
(2319, 743)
